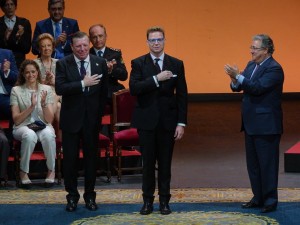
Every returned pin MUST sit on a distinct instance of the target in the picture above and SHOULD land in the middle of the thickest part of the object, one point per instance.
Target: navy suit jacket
(119, 71)
(10, 81)
(165, 105)
(70, 26)
(76, 105)
(19, 47)
(261, 105)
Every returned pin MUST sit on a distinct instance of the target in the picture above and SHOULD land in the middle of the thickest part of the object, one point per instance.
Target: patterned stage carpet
(124, 196)
(203, 206)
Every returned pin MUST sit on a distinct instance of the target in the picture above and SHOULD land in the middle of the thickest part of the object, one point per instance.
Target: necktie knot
(100, 53)
(157, 65)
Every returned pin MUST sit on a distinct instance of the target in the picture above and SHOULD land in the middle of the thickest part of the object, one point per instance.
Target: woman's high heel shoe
(49, 181)
(25, 181)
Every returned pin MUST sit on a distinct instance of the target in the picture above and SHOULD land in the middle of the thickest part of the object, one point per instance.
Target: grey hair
(266, 42)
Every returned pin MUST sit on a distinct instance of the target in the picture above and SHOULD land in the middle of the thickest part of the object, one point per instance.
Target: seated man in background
(8, 77)
(116, 67)
(60, 27)
(15, 32)
(4, 154)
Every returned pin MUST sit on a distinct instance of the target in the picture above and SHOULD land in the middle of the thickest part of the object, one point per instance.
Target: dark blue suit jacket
(8, 82)
(70, 26)
(261, 105)
(76, 104)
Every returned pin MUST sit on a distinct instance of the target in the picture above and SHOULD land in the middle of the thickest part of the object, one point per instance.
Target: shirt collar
(264, 60)
(13, 19)
(102, 50)
(53, 22)
(161, 57)
(87, 59)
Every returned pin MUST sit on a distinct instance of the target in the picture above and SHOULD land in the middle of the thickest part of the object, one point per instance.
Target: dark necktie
(82, 69)
(157, 65)
(100, 53)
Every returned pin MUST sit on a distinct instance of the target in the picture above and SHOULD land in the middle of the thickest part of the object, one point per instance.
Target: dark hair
(21, 79)
(155, 29)
(78, 34)
(98, 25)
(266, 42)
(52, 2)
(3, 2)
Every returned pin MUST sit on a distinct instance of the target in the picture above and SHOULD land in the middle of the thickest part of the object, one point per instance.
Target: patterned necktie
(157, 65)
(100, 53)
(82, 69)
(59, 53)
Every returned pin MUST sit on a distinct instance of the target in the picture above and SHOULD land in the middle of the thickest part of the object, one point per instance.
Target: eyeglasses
(53, 9)
(154, 40)
(256, 49)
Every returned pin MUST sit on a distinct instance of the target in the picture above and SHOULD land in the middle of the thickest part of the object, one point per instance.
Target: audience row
(27, 86)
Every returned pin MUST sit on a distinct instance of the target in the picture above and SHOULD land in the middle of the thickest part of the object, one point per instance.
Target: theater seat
(125, 138)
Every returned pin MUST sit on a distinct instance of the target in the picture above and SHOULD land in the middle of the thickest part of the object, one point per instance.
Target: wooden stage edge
(207, 97)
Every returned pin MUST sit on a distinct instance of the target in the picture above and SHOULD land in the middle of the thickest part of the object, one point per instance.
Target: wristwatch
(237, 77)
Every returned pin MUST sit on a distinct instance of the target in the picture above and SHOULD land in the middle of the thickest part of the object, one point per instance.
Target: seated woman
(32, 102)
(46, 45)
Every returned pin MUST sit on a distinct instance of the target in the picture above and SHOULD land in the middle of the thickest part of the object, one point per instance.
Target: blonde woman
(47, 64)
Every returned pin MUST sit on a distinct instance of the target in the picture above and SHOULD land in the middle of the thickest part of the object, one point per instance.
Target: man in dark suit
(116, 67)
(262, 84)
(81, 80)
(15, 32)
(158, 81)
(60, 27)
(8, 78)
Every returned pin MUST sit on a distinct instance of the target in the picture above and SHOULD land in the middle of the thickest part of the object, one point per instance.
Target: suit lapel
(261, 69)
(2, 23)
(73, 68)
(94, 66)
(149, 65)
(167, 65)
(48, 25)
(65, 26)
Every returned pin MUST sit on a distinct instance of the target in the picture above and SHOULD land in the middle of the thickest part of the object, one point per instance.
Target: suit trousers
(156, 146)
(4, 154)
(71, 142)
(29, 139)
(5, 110)
(262, 156)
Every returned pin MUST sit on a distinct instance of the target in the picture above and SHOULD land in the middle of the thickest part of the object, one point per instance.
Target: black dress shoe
(147, 208)
(26, 186)
(90, 204)
(269, 208)
(71, 205)
(250, 204)
(164, 208)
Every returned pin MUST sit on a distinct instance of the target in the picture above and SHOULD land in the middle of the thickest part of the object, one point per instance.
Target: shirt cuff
(7, 73)
(181, 124)
(82, 84)
(156, 81)
(240, 79)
